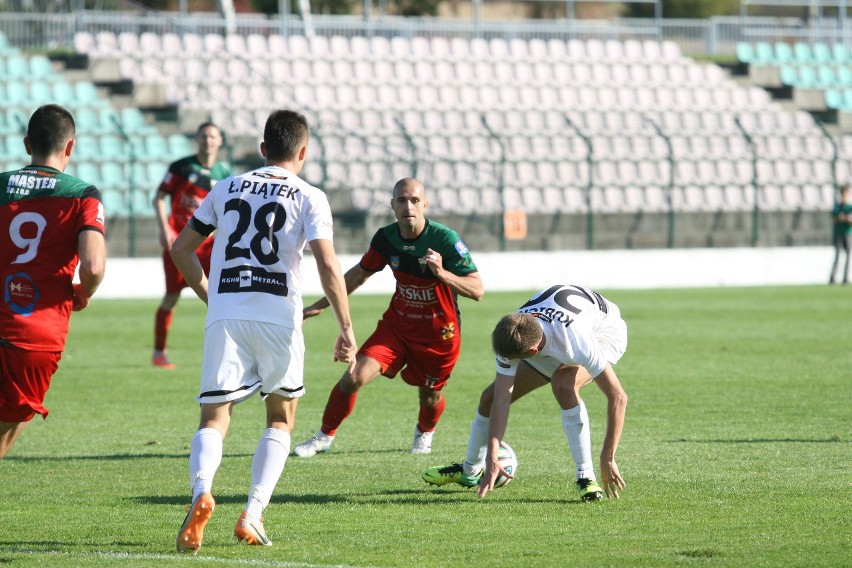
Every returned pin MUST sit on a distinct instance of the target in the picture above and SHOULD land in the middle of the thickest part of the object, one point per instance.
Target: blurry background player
(420, 330)
(49, 222)
(567, 336)
(842, 233)
(187, 183)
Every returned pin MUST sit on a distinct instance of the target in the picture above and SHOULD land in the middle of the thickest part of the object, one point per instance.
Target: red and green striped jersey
(42, 211)
(187, 183)
(422, 308)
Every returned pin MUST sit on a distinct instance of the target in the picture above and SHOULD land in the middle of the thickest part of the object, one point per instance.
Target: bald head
(409, 183)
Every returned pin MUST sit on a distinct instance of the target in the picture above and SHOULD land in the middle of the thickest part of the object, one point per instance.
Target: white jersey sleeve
(263, 219)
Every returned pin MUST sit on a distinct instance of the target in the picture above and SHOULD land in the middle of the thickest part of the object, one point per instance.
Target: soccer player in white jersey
(253, 338)
(567, 336)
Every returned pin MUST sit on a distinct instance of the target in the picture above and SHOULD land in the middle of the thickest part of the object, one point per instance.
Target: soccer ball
(507, 458)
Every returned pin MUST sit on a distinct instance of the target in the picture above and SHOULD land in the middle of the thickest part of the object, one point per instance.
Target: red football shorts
(24, 380)
(174, 279)
(425, 365)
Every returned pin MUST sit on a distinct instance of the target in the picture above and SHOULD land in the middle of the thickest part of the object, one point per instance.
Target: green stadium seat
(807, 77)
(844, 76)
(114, 204)
(783, 53)
(821, 53)
(40, 93)
(63, 94)
(112, 147)
(155, 148)
(87, 121)
(87, 148)
(40, 67)
(15, 150)
(788, 75)
(88, 171)
(87, 94)
(113, 175)
(16, 94)
(833, 99)
(826, 76)
(141, 200)
(179, 145)
(745, 52)
(133, 121)
(840, 54)
(802, 52)
(763, 53)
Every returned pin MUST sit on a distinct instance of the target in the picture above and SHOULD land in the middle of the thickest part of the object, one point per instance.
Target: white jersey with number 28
(263, 220)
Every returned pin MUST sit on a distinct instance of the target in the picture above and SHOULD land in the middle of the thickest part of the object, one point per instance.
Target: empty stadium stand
(561, 129)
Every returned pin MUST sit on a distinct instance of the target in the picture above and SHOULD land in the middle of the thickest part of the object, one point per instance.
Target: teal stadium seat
(826, 76)
(763, 53)
(16, 94)
(113, 175)
(179, 145)
(833, 99)
(745, 52)
(87, 94)
(40, 93)
(16, 67)
(63, 94)
(88, 171)
(822, 53)
(133, 121)
(15, 150)
(112, 147)
(87, 148)
(40, 67)
(87, 120)
(783, 53)
(840, 54)
(802, 53)
(808, 78)
(788, 75)
(847, 99)
(115, 205)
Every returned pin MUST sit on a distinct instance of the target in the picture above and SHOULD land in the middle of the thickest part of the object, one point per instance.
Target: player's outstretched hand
(611, 478)
(312, 310)
(434, 261)
(489, 476)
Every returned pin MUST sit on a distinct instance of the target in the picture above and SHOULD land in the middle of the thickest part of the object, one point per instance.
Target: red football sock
(429, 415)
(338, 407)
(161, 328)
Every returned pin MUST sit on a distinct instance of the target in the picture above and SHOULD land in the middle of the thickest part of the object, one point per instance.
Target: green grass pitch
(736, 449)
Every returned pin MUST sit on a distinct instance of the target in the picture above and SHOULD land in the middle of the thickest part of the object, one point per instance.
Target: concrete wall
(528, 271)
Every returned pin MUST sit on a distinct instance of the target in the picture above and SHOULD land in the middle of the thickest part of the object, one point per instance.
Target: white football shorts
(242, 357)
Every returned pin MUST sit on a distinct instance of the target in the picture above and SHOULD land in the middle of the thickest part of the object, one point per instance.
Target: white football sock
(575, 424)
(205, 455)
(477, 445)
(266, 468)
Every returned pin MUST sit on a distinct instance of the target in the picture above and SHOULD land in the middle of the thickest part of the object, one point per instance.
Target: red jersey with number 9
(42, 211)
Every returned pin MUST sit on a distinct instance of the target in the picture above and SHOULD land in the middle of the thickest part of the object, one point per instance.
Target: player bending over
(567, 336)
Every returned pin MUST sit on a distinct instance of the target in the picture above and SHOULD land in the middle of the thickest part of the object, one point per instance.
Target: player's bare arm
(167, 235)
(354, 278)
(335, 288)
(503, 386)
(616, 407)
(469, 285)
(184, 257)
(91, 247)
